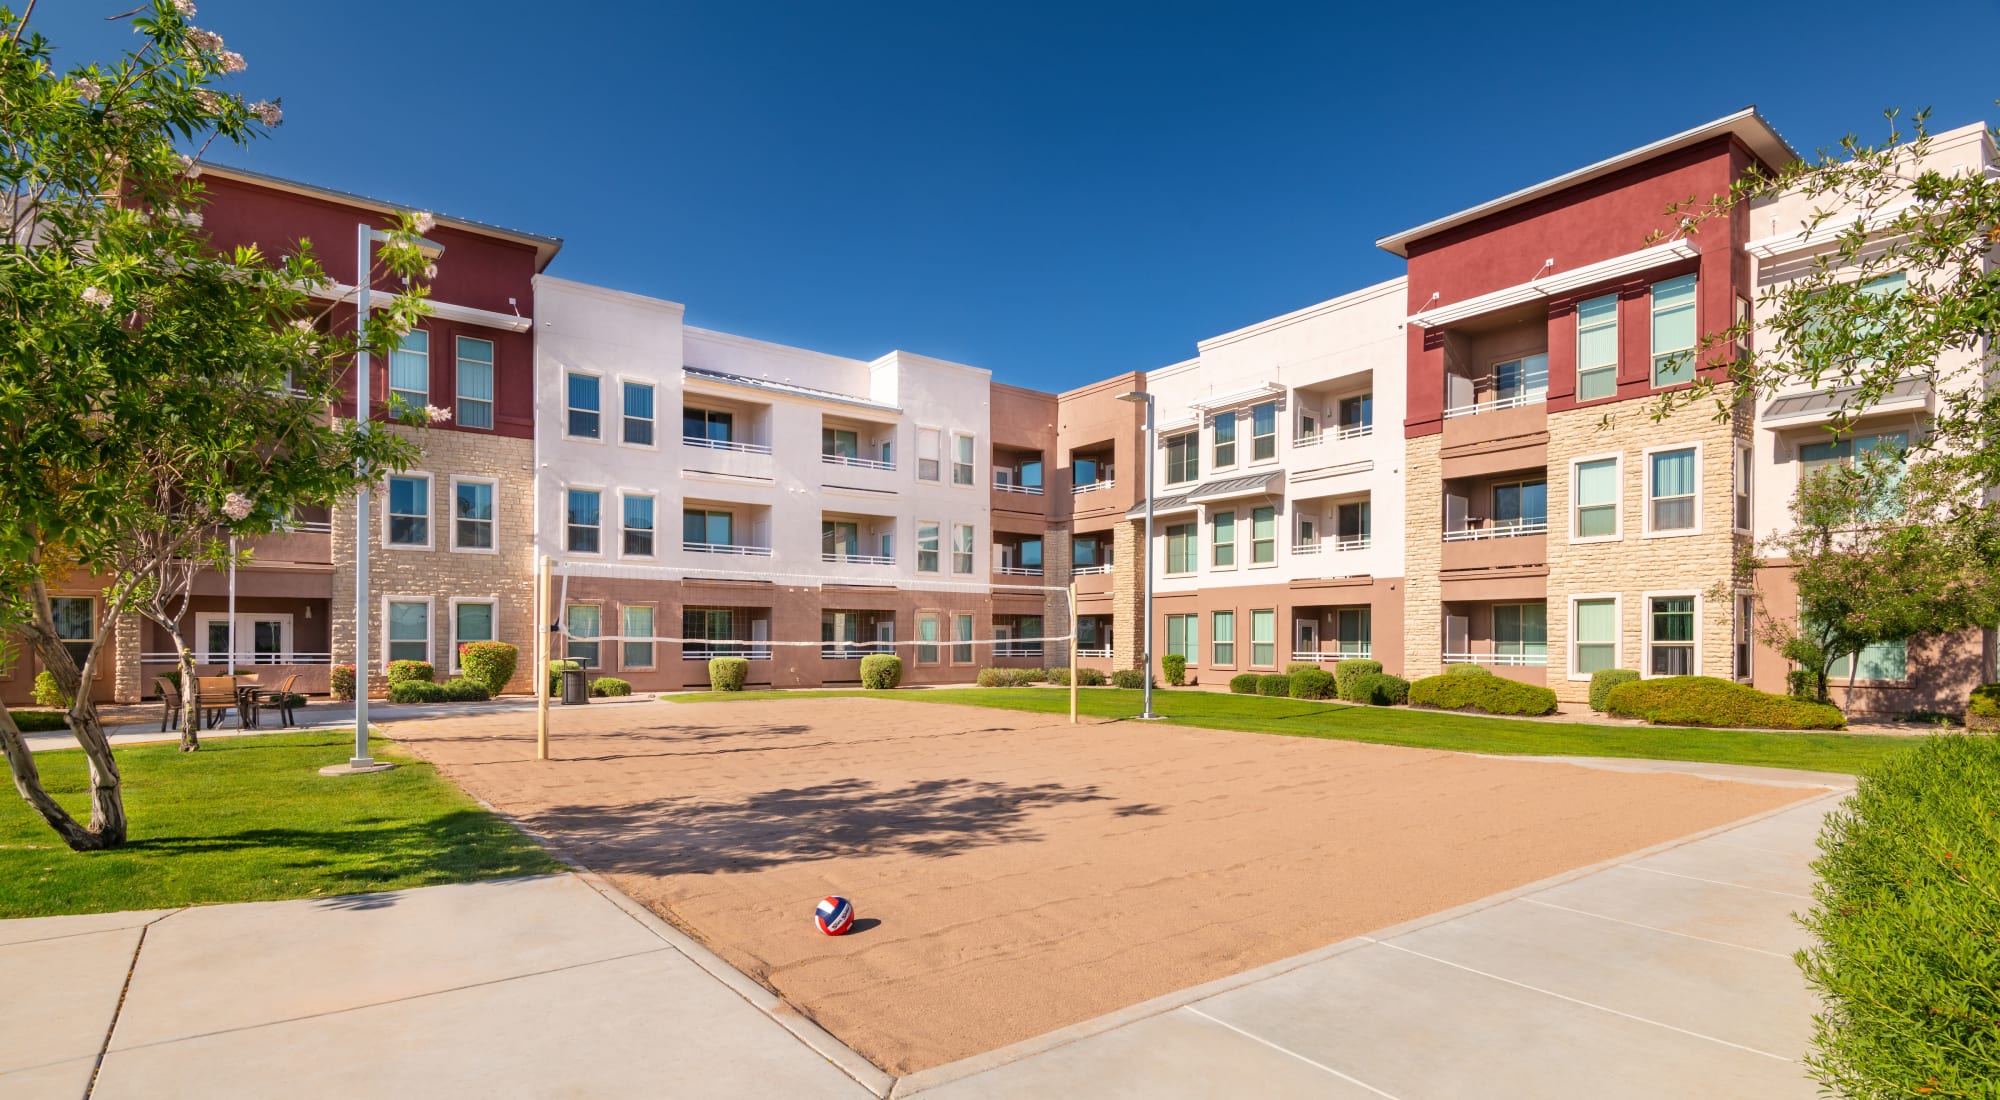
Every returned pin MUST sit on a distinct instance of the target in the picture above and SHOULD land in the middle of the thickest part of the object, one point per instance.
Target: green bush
(1057, 676)
(556, 669)
(1903, 917)
(1982, 708)
(1005, 677)
(881, 671)
(1708, 701)
(1801, 684)
(1131, 679)
(1034, 675)
(1276, 685)
(1243, 683)
(1603, 680)
(47, 693)
(341, 682)
(1491, 694)
(1312, 683)
(465, 690)
(1468, 670)
(39, 721)
(1382, 689)
(727, 673)
(416, 691)
(1174, 667)
(606, 687)
(1347, 673)
(1300, 666)
(489, 664)
(1089, 678)
(405, 671)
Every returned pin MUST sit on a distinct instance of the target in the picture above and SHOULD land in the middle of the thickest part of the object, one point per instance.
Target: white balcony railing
(1018, 570)
(702, 651)
(1307, 439)
(724, 445)
(856, 462)
(1498, 531)
(168, 657)
(1357, 431)
(1303, 548)
(726, 548)
(1345, 653)
(308, 527)
(857, 559)
(1089, 570)
(1093, 651)
(1495, 405)
(1509, 660)
(1000, 486)
(1342, 546)
(853, 651)
(1092, 486)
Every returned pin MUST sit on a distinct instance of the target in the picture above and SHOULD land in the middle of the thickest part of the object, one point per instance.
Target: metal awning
(1561, 282)
(703, 374)
(1909, 394)
(1264, 484)
(1178, 502)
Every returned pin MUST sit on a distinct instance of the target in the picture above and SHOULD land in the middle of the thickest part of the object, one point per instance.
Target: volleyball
(834, 916)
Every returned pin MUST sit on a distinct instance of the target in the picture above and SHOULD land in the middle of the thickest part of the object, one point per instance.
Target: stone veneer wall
(1423, 557)
(1055, 606)
(507, 577)
(1128, 593)
(1635, 565)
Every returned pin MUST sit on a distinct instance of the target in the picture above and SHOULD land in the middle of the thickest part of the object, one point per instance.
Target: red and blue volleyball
(834, 916)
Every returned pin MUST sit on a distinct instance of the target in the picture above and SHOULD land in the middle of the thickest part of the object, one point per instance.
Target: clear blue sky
(1054, 191)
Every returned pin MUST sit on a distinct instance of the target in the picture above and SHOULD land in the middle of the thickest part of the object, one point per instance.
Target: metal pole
(363, 235)
(232, 605)
(542, 599)
(1072, 646)
(1146, 642)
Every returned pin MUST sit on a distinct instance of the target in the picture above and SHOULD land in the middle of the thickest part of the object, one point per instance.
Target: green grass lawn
(1411, 727)
(250, 819)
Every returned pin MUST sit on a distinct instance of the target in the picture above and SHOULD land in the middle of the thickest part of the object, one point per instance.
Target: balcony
(1093, 487)
(727, 548)
(1508, 635)
(1102, 652)
(1499, 660)
(1359, 651)
(1511, 530)
(833, 557)
(1496, 404)
(729, 445)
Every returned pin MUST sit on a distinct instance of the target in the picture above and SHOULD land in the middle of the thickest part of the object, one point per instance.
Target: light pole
(1146, 575)
(365, 237)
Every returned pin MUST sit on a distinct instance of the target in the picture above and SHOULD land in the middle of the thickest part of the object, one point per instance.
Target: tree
(156, 394)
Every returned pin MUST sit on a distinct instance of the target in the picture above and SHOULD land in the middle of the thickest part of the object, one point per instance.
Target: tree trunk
(28, 781)
(190, 716)
(107, 801)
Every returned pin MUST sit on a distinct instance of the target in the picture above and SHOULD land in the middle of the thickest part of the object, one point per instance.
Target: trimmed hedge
(489, 664)
(1034, 675)
(1312, 683)
(1982, 708)
(1174, 667)
(341, 682)
(1709, 701)
(881, 671)
(1089, 677)
(1903, 917)
(38, 721)
(1275, 685)
(1057, 676)
(727, 673)
(1491, 694)
(47, 692)
(1382, 689)
(1349, 672)
(401, 672)
(1300, 666)
(606, 687)
(556, 668)
(461, 690)
(1468, 670)
(1006, 677)
(1243, 683)
(1131, 679)
(1603, 680)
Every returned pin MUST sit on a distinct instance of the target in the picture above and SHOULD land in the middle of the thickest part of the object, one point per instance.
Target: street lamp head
(430, 249)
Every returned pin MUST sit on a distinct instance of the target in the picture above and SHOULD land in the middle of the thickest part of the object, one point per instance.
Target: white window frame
(562, 519)
(1743, 487)
(1646, 630)
(1692, 351)
(595, 639)
(1617, 459)
(918, 562)
(937, 461)
(622, 495)
(1646, 490)
(430, 628)
(1215, 544)
(1617, 310)
(454, 604)
(1166, 544)
(1216, 442)
(1738, 621)
(623, 381)
(492, 483)
(1570, 641)
(202, 621)
(624, 627)
(430, 510)
(492, 364)
(971, 550)
(391, 368)
(1253, 563)
(569, 373)
(1254, 437)
(972, 465)
(1189, 441)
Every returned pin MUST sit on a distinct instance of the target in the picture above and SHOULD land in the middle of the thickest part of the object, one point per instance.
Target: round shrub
(1243, 683)
(727, 673)
(1312, 683)
(341, 682)
(1058, 676)
(556, 669)
(465, 690)
(1001, 677)
(1709, 701)
(39, 721)
(416, 691)
(1382, 689)
(1491, 694)
(1468, 670)
(606, 687)
(881, 671)
(405, 671)
(489, 664)
(1131, 679)
(1174, 667)
(1982, 708)
(1300, 666)
(1033, 675)
(1347, 673)
(1603, 680)
(1276, 685)
(47, 692)
(1902, 927)
(1089, 677)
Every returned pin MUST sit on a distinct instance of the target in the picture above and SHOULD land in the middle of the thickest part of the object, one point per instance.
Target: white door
(1457, 634)
(1308, 637)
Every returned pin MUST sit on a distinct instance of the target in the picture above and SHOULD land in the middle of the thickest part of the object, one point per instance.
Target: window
(1224, 540)
(76, 625)
(1814, 457)
(638, 410)
(1088, 471)
(716, 629)
(1521, 381)
(585, 404)
(1523, 504)
(409, 510)
(707, 426)
(961, 629)
(1881, 661)
(839, 635)
(1264, 431)
(702, 528)
(409, 630)
(1264, 638)
(471, 621)
(472, 515)
(1670, 477)
(839, 443)
(1594, 636)
(1183, 458)
(1673, 331)
(1357, 414)
(1183, 637)
(1181, 548)
(1743, 518)
(1521, 630)
(638, 623)
(927, 638)
(1745, 328)
(928, 443)
(584, 622)
(1263, 536)
(1089, 552)
(475, 383)
(1308, 426)
(1595, 487)
(1352, 526)
(927, 546)
(839, 539)
(1746, 619)
(410, 369)
(1222, 629)
(1353, 630)
(637, 530)
(1225, 440)
(584, 521)
(1597, 348)
(961, 548)
(1670, 636)
(961, 460)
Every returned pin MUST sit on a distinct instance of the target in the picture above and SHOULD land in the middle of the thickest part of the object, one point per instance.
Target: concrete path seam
(1654, 928)
(1720, 882)
(1356, 1081)
(1584, 1003)
(124, 991)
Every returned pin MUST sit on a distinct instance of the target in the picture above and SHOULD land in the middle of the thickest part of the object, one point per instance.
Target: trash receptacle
(575, 690)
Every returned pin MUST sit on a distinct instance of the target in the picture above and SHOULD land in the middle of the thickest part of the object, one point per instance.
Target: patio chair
(216, 696)
(281, 698)
(170, 699)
